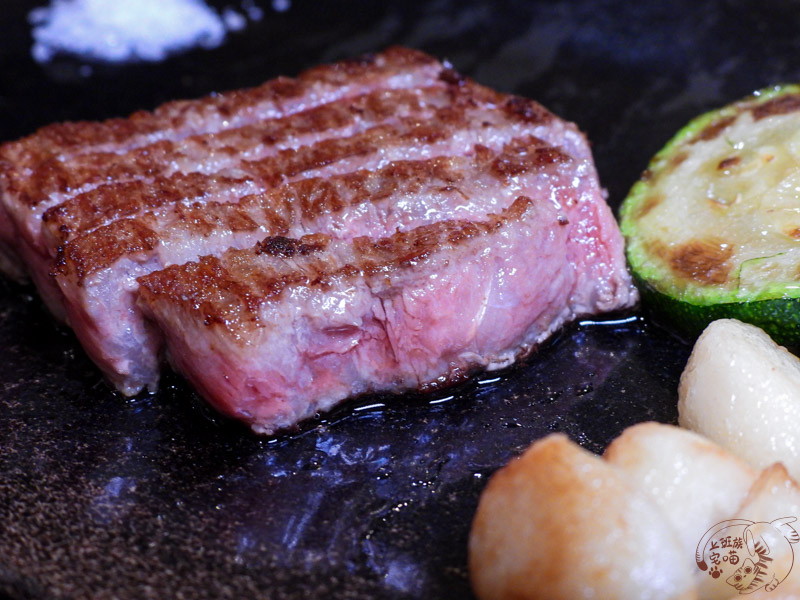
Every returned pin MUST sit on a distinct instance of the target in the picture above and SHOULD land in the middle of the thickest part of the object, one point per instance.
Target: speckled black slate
(102, 497)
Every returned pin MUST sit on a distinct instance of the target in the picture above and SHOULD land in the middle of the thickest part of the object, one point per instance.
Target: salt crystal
(114, 30)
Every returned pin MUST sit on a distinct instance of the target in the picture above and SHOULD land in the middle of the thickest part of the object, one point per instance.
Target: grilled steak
(307, 240)
(29, 187)
(97, 271)
(272, 334)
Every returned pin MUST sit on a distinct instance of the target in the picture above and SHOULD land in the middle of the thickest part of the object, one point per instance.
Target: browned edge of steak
(228, 291)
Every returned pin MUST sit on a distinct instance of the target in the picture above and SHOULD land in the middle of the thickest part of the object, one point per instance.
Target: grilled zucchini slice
(713, 226)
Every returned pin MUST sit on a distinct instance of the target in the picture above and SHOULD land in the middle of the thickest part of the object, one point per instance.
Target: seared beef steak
(97, 271)
(272, 334)
(374, 225)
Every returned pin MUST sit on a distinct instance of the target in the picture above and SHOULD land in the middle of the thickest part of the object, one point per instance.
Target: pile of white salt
(122, 30)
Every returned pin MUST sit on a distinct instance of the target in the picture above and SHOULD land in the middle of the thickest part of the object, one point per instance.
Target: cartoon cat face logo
(746, 576)
(763, 549)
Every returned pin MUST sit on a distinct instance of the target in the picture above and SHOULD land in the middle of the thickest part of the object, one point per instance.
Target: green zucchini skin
(780, 317)
(689, 307)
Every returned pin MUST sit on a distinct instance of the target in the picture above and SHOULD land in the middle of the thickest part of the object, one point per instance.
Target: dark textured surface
(151, 498)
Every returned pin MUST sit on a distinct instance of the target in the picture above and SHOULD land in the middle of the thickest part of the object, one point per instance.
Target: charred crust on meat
(527, 110)
(209, 318)
(349, 271)
(483, 154)
(285, 247)
(278, 246)
(283, 86)
(87, 254)
(550, 156)
(429, 133)
(237, 178)
(232, 289)
(408, 56)
(517, 160)
(59, 263)
(149, 159)
(452, 77)
(469, 230)
(319, 197)
(123, 199)
(314, 197)
(61, 138)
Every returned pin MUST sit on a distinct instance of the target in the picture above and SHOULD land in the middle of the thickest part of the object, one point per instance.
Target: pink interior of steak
(275, 333)
(103, 311)
(377, 224)
(98, 270)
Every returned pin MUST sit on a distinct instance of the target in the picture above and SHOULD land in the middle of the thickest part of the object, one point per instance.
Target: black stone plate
(104, 497)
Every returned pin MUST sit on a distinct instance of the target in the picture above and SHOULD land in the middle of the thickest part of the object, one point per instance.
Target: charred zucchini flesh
(713, 226)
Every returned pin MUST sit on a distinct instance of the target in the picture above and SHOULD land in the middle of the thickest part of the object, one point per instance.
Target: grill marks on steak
(23, 206)
(56, 180)
(165, 169)
(97, 271)
(468, 120)
(366, 201)
(378, 224)
(394, 68)
(103, 205)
